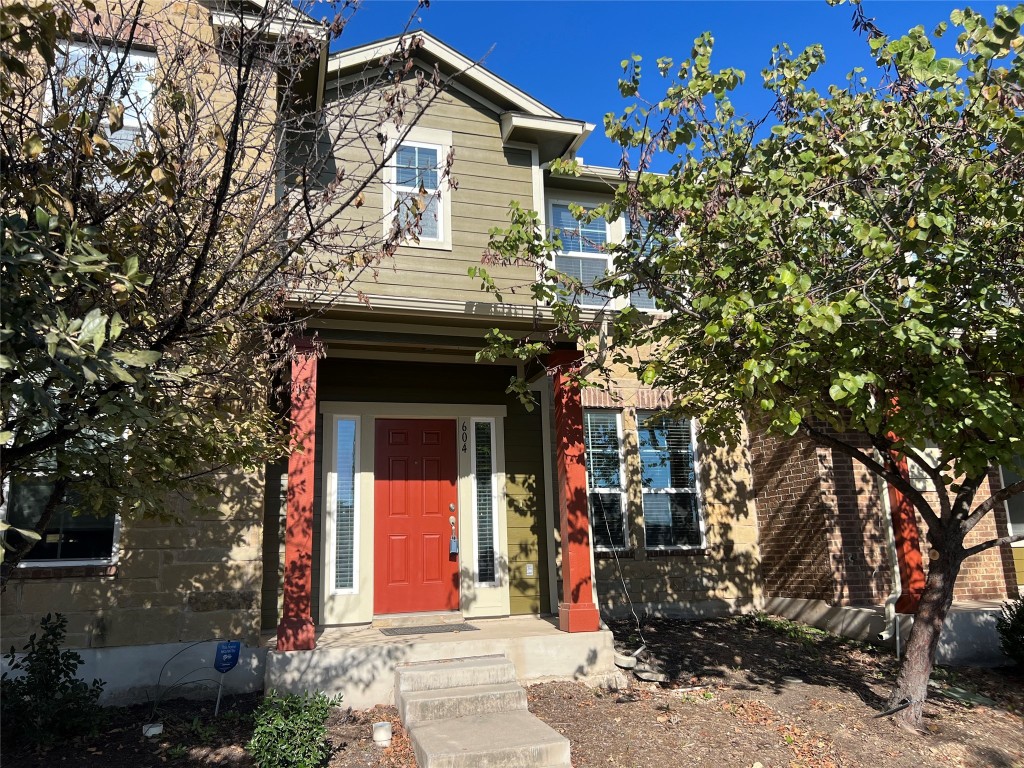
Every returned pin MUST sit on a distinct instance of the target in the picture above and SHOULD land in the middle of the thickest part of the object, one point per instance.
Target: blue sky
(568, 54)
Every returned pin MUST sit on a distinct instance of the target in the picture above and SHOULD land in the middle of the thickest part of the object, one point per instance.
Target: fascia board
(560, 125)
(278, 28)
(284, 11)
(468, 69)
(437, 307)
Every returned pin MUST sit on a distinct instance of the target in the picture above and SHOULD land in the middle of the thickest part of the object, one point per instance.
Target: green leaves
(864, 250)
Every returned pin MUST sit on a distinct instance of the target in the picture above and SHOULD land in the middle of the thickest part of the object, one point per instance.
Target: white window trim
(331, 497)
(622, 491)
(494, 504)
(696, 491)
(430, 138)
(1006, 508)
(611, 236)
(115, 544)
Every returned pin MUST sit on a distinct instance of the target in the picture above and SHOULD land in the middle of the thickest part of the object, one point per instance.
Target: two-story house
(586, 504)
(423, 488)
(424, 493)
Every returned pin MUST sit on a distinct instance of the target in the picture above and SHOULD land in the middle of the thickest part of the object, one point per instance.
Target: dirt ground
(742, 692)
(745, 692)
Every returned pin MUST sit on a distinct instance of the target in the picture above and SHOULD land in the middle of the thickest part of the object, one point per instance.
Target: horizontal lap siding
(524, 487)
(488, 176)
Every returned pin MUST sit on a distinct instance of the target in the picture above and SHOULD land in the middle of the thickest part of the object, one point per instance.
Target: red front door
(414, 495)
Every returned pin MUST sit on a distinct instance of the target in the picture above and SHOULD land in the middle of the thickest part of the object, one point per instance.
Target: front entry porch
(418, 484)
(359, 662)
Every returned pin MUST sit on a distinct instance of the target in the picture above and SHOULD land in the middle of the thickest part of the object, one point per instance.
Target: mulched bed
(193, 737)
(728, 703)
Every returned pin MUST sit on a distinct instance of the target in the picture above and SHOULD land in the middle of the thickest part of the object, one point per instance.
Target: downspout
(892, 627)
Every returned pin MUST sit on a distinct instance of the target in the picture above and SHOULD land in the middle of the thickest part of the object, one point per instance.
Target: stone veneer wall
(720, 579)
(196, 580)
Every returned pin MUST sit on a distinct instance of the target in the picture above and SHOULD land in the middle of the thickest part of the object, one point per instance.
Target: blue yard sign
(227, 655)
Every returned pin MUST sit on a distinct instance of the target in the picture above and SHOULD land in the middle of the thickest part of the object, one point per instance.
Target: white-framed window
(606, 492)
(641, 297)
(413, 193)
(1011, 473)
(133, 75)
(343, 501)
(669, 478)
(583, 255)
(74, 536)
(485, 500)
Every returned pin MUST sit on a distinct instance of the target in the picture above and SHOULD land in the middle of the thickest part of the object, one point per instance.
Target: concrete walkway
(471, 713)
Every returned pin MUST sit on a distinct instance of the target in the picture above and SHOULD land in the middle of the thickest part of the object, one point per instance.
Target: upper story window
(413, 192)
(583, 255)
(131, 72)
(416, 188)
(606, 493)
(640, 236)
(668, 468)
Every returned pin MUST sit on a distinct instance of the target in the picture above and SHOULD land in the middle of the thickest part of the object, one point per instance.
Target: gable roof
(523, 118)
(469, 72)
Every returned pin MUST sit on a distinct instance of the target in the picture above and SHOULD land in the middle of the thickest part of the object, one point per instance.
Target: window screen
(583, 255)
(72, 534)
(416, 188)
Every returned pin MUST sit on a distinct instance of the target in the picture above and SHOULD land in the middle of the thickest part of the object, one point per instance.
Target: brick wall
(792, 517)
(855, 529)
(989, 575)
(194, 580)
(823, 535)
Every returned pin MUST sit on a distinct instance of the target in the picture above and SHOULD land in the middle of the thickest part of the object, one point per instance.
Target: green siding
(488, 177)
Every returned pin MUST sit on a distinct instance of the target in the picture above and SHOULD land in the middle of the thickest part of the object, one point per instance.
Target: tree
(170, 221)
(849, 266)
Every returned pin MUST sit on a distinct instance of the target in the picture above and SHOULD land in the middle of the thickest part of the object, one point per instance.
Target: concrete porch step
(453, 673)
(453, 703)
(391, 620)
(497, 740)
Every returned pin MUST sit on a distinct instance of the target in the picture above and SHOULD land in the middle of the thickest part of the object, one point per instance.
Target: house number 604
(465, 437)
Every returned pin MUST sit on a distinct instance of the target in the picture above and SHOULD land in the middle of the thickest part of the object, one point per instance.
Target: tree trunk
(915, 669)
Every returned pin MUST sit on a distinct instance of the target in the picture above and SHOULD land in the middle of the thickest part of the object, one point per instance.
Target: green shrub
(1010, 624)
(46, 703)
(290, 730)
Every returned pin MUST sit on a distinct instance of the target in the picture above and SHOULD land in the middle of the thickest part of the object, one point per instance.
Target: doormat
(429, 630)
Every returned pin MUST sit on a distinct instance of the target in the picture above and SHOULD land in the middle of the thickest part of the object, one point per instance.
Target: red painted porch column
(577, 611)
(296, 631)
(908, 543)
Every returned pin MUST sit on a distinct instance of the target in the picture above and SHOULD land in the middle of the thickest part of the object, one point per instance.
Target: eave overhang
(554, 136)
